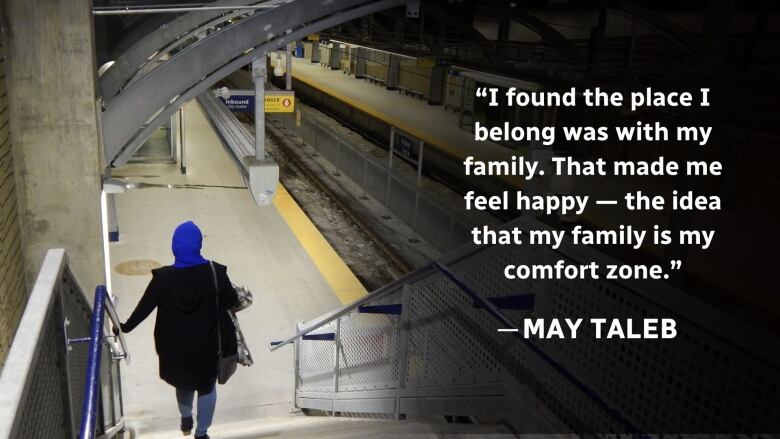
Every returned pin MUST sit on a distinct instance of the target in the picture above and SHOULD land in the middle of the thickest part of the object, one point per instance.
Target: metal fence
(43, 381)
(427, 344)
(445, 227)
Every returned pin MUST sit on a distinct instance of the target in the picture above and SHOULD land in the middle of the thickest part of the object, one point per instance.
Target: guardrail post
(296, 367)
(336, 355)
(336, 173)
(421, 145)
(389, 173)
(363, 196)
(316, 138)
(403, 345)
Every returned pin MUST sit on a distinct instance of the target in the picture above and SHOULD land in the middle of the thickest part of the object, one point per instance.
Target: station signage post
(243, 101)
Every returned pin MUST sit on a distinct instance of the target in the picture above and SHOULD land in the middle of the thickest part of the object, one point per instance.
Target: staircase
(322, 427)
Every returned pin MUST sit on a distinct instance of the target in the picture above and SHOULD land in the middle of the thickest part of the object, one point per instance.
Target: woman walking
(185, 331)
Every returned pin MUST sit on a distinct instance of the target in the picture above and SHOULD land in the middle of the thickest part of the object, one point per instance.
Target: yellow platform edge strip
(340, 278)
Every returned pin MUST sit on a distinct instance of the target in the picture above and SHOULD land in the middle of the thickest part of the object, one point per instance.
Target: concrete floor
(260, 251)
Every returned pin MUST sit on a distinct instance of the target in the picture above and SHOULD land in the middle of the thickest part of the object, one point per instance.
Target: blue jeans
(206, 405)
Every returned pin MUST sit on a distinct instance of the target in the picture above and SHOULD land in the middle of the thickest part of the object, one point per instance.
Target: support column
(259, 73)
(393, 69)
(335, 56)
(360, 63)
(56, 141)
(315, 52)
(263, 171)
(597, 34)
(503, 35)
(288, 70)
(437, 85)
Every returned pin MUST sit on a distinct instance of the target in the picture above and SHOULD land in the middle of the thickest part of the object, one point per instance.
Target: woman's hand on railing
(118, 329)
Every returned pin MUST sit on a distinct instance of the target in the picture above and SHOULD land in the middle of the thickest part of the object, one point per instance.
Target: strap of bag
(216, 286)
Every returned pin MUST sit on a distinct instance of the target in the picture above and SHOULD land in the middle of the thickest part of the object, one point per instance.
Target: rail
(415, 347)
(51, 379)
(91, 410)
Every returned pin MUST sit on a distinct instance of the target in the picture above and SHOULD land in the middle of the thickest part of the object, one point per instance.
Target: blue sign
(405, 147)
(240, 104)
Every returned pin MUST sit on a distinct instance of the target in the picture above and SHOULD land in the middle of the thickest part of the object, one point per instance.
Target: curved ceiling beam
(660, 24)
(153, 61)
(138, 31)
(131, 60)
(488, 47)
(544, 30)
(134, 115)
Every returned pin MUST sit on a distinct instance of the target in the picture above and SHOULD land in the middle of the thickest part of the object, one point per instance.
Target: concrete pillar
(53, 117)
(436, 85)
(393, 70)
(360, 63)
(315, 52)
(335, 56)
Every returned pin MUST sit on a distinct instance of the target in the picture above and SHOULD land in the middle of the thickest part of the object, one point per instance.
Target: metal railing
(442, 225)
(416, 347)
(109, 417)
(62, 377)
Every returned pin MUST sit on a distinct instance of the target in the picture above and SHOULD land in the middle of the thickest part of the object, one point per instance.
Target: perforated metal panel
(52, 393)
(316, 372)
(369, 350)
(78, 313)
(698, 382)
(45, 410)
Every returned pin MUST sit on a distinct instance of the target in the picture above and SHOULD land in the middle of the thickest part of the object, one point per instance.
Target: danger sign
(279, 102)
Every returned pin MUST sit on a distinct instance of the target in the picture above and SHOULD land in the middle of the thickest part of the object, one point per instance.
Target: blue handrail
(89, 409)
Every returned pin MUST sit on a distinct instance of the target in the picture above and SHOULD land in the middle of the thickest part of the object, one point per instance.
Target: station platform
(414, 116)
(276, 251)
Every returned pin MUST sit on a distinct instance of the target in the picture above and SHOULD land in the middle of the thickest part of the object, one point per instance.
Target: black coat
(185, 333)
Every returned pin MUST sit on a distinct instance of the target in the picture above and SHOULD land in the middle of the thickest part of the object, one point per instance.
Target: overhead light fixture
(278, 70)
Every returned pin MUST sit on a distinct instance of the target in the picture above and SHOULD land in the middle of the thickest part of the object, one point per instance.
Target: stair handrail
(348, 308)
(89, 408)
(378, 294)
(102, 306)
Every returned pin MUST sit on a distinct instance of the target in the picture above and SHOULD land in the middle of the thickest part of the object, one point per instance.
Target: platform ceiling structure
(165, 60)
(132, 113)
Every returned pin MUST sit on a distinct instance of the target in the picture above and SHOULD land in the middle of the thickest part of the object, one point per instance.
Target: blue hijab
(187, 241)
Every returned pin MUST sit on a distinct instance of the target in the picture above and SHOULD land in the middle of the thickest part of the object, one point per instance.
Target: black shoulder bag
(226, 364)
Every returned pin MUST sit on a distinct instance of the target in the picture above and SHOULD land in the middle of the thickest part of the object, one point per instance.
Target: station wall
(12, 287)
